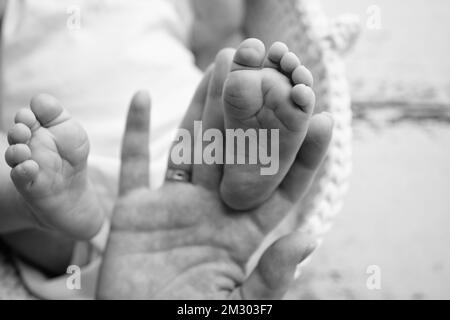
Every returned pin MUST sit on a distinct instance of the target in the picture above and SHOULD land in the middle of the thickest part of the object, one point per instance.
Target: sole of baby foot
(270, 91)
(48, 155)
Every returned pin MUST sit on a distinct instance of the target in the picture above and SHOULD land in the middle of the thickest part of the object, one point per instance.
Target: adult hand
(180, 241)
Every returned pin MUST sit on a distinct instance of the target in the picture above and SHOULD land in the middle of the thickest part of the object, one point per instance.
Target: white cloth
(121, 47)
(87, 257)
(92, 56)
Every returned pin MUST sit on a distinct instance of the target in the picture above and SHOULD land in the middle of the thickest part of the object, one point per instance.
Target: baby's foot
(48, 156)
(262, 91)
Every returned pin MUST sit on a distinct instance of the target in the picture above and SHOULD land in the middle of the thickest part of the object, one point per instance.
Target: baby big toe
(46, 108)
(19, 133)
(16, 154)
(249, 55)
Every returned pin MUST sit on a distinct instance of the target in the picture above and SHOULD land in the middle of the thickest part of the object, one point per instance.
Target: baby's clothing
(121, 47)
(92, 56)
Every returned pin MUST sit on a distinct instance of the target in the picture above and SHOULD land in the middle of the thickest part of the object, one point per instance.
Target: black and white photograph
(231, 150)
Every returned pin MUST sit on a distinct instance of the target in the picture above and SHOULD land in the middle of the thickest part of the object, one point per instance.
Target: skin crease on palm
(180, 241)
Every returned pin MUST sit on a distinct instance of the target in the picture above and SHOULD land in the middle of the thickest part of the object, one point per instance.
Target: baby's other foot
(264, 91)
(48, 155)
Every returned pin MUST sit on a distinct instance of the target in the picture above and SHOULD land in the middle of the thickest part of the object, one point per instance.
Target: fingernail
(298, 272)
(304, 260)
(309, 250)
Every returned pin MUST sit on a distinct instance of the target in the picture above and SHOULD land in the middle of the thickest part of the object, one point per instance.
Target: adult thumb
(276, 268)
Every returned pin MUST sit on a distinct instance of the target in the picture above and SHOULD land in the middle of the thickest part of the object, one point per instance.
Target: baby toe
(304, 98)
(302, 75)
(19, 133)
(289, 62)
(27, 117)
(16, 154)
(274, 55)
(249, 55)
(24, 173)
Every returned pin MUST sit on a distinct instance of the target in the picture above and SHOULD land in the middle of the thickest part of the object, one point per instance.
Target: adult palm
(181, 241)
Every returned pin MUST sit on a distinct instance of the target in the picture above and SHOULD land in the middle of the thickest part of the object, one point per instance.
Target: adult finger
(276, 268)
(135, 159)
(310, 156)
(209, 172)
(186, 129)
